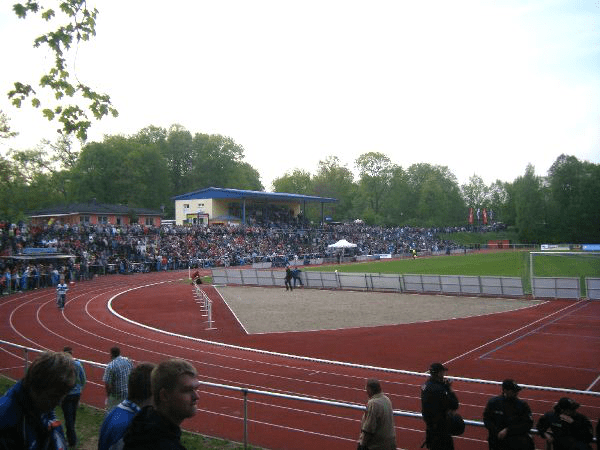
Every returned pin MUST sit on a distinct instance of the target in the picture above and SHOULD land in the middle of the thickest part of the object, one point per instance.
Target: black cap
(566, 403)
(510, 385)
(437, 368)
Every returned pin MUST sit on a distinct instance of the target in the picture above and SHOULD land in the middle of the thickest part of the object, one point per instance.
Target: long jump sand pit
(272, 310)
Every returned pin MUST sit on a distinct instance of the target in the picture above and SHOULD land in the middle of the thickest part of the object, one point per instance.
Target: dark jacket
(22, 428)
(514, 414)
(151, 431)
(567, 436)
(437, 400)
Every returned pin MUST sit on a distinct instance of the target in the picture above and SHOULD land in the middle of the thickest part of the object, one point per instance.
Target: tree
(437, 186)
(5, 131)
(397, 202)
(297, 182)
(498, 198)
(375, 171)
(76, 23)
(475, 192)
(574, 205)
(335, 181)
(529, 204)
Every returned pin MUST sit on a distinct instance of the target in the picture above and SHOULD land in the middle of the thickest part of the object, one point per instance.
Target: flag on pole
(471, 216)
(484, 216)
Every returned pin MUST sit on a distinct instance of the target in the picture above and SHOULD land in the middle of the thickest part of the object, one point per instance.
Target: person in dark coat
(566, 429)
(508, 420)
(438, 404)
(288, 279)
(157, 427)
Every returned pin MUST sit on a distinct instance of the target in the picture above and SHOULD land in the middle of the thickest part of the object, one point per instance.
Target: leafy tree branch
(80, 26)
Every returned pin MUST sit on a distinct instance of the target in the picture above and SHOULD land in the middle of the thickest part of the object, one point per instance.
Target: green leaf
(48, 14)
(48, 113)
(35, 102)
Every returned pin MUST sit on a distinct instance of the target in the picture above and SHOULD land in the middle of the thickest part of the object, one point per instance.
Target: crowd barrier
(446, 284)
(593, 288)
(558, 288)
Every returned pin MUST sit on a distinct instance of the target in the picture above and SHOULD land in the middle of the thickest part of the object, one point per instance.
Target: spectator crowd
(105, 248)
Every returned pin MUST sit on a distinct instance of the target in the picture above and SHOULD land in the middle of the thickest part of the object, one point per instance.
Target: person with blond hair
(157, 427)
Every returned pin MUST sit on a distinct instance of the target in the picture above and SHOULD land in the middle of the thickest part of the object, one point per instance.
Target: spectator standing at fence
(27, 419)
(116, 377)
(377, 424)
(157, 427)
(61, 292)
(288, 279)
(70, 403)
(564, 428)
(508, 420)
(139, 395)
(438, 404)
(296, 276)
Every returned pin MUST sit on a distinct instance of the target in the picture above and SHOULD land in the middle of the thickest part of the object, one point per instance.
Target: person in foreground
(70, 403)
(27, 419)
(377, 425)
(564, 428)
(115, 378)
(139, 395)
(157, 427)
(508, 420)
(438, 405)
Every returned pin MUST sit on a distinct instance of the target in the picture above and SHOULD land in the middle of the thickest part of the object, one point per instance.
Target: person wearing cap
(508, 420)
(564, 428)
(438, 404)
(377, 425)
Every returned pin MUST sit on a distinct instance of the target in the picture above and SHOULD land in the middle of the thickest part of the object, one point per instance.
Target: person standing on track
(564, 428)
(61, 292)
(377, 425)
(508, 420)
(116, 377)
(438, 405)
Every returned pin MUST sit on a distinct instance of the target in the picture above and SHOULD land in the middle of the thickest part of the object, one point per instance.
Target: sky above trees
(481, 87)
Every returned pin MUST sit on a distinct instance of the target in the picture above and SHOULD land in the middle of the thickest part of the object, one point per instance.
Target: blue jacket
(22, 428)
(115, 424)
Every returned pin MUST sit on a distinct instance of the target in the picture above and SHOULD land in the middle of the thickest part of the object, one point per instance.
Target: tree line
(150, 167)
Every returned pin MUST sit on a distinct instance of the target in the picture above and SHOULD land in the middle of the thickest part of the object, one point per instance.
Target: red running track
(555, 344)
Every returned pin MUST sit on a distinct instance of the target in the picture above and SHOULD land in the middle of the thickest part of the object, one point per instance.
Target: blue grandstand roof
(240, 194)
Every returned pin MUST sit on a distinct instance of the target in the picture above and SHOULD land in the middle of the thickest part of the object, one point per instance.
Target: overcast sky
(483, 87)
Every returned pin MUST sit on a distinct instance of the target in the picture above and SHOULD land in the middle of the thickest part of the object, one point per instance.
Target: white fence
(446, 284)
(556, 287)
(593, 288)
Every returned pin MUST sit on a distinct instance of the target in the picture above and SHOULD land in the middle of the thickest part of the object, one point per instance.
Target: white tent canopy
(342, 243)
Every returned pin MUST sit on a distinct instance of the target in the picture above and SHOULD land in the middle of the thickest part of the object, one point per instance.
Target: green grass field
(501, 263)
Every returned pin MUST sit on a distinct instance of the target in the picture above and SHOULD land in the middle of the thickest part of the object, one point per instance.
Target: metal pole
(531, 273)
(245, 391)
(26, 352)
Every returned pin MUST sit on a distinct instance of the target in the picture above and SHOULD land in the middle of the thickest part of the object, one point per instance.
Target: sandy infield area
(269, 310)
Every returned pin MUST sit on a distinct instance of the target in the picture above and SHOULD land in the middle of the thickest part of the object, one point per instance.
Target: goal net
(565, 264)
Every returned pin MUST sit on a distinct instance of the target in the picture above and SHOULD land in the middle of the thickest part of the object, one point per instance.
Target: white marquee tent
(342, 243)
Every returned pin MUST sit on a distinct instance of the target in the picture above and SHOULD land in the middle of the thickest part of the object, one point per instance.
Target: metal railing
(245, 392)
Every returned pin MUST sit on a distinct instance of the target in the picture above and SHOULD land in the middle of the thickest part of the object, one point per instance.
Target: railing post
(26, 357)
(245, 391)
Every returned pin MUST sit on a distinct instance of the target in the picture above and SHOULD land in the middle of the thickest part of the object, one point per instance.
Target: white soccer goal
(571, 265)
